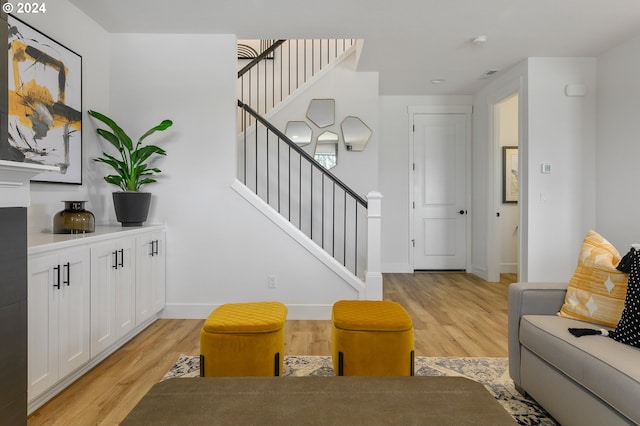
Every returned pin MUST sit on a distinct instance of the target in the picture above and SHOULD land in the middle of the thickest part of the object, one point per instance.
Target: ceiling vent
(490, 72)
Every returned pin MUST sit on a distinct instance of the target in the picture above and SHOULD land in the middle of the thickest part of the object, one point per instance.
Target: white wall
(561, 132)
(70, 27)
(486, 166)
(556, 209)
(394, 174)
(356, 94)
(618, 148)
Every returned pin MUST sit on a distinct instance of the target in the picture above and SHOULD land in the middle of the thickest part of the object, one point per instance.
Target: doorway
(506, 134)
(439, 188)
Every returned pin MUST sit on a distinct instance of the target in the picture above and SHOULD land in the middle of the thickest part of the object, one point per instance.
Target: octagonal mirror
(355, 133)
(327, 150)
(299, 132)
(322, 112)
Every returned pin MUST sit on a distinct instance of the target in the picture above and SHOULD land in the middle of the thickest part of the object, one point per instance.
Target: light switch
(545, 168)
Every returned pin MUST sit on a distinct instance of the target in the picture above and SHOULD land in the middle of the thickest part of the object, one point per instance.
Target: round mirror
(355, 134)
(327, 150)
(299, 132)
(322, 112)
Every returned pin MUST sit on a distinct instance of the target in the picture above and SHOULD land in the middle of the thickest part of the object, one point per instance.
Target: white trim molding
(14, 182)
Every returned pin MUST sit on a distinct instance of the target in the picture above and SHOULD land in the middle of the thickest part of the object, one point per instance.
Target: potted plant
(132, 171)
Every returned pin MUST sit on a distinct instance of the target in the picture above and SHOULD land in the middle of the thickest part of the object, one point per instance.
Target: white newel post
(374, 218)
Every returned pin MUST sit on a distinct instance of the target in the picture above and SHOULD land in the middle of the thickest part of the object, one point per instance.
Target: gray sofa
(591, 380)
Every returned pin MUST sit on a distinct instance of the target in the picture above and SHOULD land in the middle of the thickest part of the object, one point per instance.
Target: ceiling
(409, 42)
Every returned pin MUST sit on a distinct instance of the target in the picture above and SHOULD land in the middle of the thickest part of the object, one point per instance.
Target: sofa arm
(529, 299)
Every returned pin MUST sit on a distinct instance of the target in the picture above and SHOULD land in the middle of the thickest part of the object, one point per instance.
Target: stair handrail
(260, 57)
(303, 153)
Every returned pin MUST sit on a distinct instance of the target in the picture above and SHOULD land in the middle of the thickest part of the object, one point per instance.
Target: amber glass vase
(74, 219)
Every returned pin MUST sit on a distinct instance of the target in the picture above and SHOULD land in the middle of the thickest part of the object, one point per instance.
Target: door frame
(494, 186)
(467, 110)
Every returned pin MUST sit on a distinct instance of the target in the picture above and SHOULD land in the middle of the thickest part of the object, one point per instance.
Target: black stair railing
(284, 67)
(313, 199)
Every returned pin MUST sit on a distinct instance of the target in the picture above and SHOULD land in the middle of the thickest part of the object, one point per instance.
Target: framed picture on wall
(45, 104)
(251, 49)
(509, 174)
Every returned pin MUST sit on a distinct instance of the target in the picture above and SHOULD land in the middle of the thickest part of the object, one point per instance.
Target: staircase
(288, 180)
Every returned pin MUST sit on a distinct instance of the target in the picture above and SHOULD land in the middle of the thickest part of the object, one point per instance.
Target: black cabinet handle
(67, 266)
(57, 283)
(115, 260)
(154, 247)
(121, 264)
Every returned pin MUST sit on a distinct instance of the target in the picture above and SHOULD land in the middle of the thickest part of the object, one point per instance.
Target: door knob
(462, 212)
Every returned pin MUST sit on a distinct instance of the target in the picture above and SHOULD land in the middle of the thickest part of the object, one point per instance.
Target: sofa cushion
(606, 368)
(597, 289)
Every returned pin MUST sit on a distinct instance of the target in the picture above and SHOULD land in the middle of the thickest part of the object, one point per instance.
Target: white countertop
(44, 241)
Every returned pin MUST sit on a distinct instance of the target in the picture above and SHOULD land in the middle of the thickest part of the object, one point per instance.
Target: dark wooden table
(319, 401)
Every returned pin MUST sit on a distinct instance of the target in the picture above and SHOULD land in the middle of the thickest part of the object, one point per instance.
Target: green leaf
(111, 138)
(139, 169)
(123, 138)
(142, 153)
(115, 180)
(117, 165)
(147, 180)
(159, 128)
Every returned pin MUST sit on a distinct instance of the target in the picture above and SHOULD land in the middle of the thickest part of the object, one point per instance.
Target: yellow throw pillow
(597, 290)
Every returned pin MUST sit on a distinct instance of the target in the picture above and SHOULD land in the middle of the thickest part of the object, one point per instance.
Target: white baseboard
(508, 268)
(295, 312)
(396, 268)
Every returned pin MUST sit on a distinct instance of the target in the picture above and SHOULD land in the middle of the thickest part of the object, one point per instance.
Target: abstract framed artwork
(509, 174)
(45, 104)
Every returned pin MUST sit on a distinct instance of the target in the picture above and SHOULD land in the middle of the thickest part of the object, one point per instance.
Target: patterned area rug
(493, 373)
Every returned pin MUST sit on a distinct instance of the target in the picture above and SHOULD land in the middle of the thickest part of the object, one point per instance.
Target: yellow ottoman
(243, 339)
(371, 338)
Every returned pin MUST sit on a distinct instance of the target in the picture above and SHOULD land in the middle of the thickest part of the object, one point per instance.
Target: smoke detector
(479, 40)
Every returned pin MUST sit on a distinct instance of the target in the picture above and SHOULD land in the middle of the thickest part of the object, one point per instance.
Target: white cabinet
(113, 292)
(87, 296)
(150, 275)
(58, 317)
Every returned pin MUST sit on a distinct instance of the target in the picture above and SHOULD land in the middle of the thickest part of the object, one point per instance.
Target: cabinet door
(125, 300)
(103, 325)
(42, 305)
(74, 317)
(112, 293)
(158, 274)
(150, 275)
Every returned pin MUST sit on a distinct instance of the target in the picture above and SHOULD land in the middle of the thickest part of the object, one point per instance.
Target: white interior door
(440, 191)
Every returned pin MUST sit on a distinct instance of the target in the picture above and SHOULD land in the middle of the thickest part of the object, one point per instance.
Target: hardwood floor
(454, 314)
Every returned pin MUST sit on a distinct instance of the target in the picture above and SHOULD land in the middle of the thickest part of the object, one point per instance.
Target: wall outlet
(272, 281)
